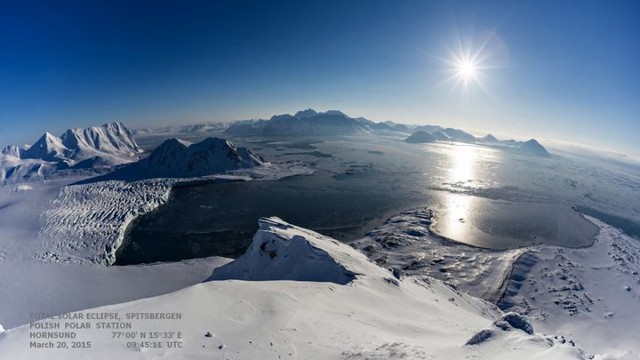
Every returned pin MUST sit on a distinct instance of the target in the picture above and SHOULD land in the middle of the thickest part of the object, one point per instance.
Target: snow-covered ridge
(111, 138)
(281, 251)
(374, 315)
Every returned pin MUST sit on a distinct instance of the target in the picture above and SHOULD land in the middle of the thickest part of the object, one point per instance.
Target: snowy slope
(373, 316)
(50, 288)
(590, 294)
(280, 251)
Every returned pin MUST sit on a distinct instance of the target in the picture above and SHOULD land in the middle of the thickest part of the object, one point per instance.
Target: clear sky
(559, 69)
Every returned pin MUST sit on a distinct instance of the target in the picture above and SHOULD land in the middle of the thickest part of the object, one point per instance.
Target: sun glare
(466, 69)
(469, 61)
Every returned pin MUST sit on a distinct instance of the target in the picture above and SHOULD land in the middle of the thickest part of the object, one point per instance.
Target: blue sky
(558, 69)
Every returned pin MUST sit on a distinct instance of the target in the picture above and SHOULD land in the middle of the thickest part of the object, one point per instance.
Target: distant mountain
(93, 148)
(181, 159)
(386, 127)
(11, 150)
(304, 123)
(459, 135)
(202, 128)
(489, 138)
(449, 134)
(302, 114)
(440, 136)
(420, 137)
(429, 128)
(332, 122)
(533, 147)
(246, 128)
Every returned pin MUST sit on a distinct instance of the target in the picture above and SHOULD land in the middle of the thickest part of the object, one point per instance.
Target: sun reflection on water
(462, 171)
(462, 168)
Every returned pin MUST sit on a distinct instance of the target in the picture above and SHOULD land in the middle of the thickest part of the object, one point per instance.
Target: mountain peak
(420, 136)
(305, 113)
(48, 148)
(532, 146)
(335, 112)
(489, 138)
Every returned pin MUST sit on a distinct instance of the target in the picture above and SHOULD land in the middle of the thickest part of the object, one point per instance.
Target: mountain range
(305, 122)
(93, 148)
(531, 147)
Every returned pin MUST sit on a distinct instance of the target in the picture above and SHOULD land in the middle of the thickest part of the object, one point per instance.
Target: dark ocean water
(482, 196)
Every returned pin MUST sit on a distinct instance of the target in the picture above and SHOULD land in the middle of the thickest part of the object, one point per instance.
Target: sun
(468, 64)
(467, 69)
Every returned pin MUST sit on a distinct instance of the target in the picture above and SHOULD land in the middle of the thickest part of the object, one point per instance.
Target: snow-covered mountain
(48, 148)
(100, 147)
(533, 147)
(112, 139)
(11, 150)
(459, 135)
(489, 138)
(420, 137)
(212, 155)
(176, 158)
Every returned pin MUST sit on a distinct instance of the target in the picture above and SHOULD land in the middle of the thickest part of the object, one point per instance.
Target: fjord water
(482, 196)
